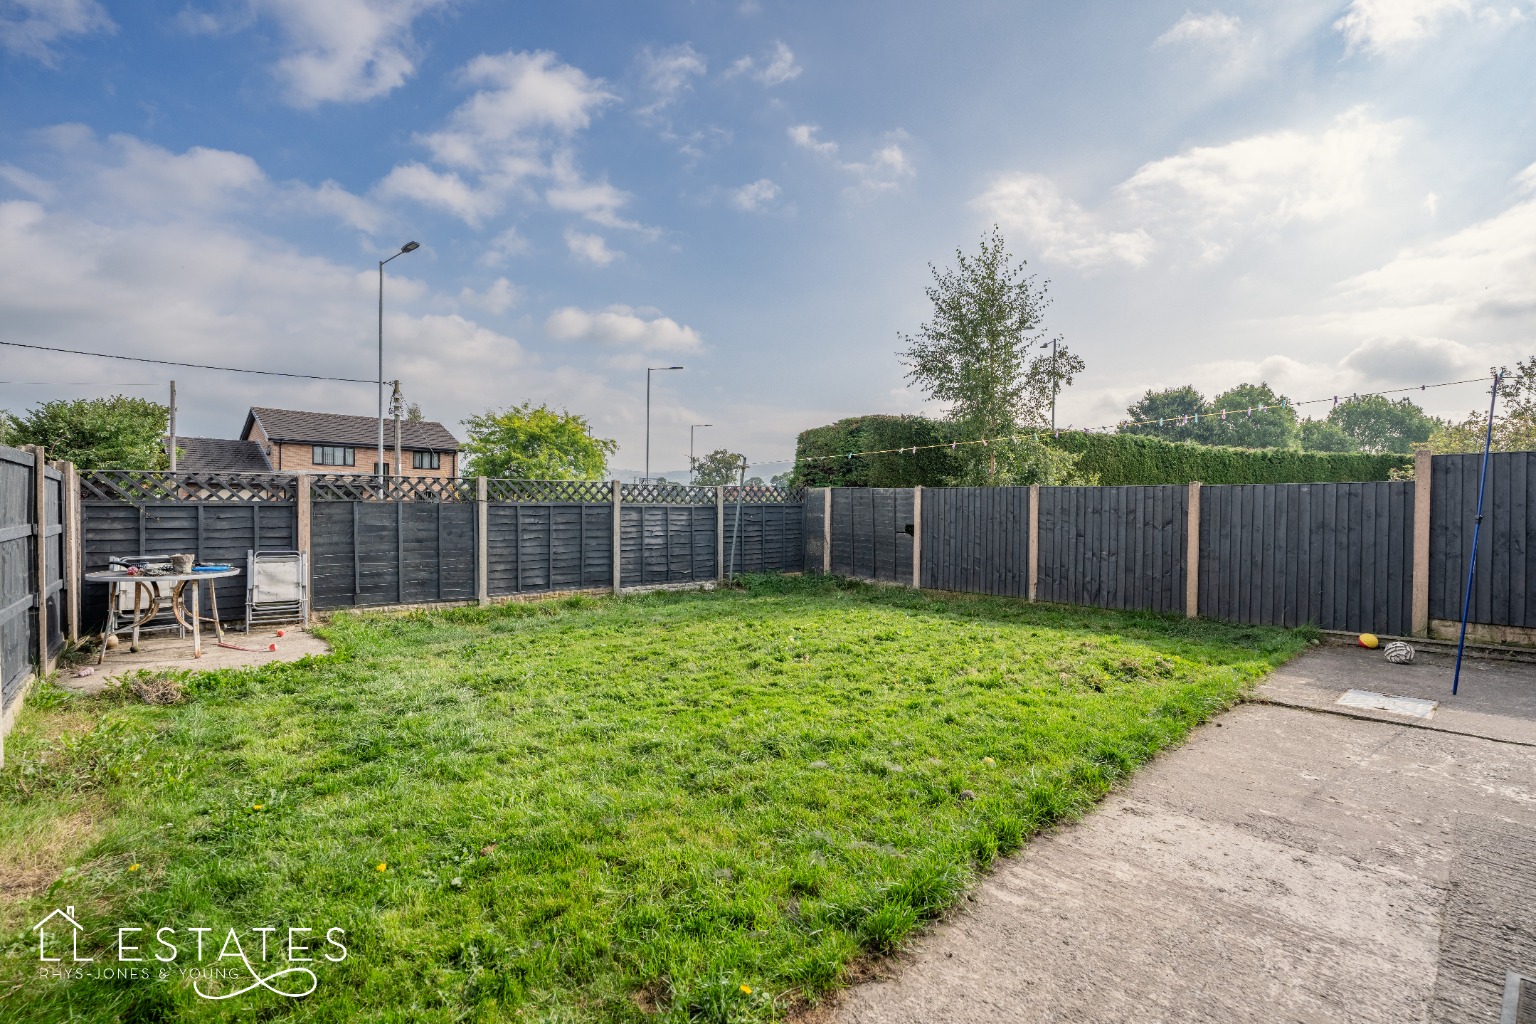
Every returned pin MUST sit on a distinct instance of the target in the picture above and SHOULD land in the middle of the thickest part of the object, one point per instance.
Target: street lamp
(648, 371)
(691, 429)
(407, 247)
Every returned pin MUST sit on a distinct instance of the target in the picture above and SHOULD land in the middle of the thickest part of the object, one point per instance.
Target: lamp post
(407, 247)
(648, 371)
(691, 428)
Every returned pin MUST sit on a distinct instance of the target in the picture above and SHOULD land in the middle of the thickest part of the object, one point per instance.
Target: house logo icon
(47, 925)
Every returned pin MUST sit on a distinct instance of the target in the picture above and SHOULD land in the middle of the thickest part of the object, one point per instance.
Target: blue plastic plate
(211, 568)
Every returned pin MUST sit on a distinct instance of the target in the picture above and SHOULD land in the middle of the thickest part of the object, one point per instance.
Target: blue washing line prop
(1477, 528)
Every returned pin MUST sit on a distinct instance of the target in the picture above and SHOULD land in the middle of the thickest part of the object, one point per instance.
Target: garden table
(115, 578)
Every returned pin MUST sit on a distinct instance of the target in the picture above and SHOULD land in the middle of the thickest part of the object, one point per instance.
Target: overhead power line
(194, 366)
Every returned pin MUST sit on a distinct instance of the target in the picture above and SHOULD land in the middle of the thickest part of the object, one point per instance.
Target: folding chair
(276, 588)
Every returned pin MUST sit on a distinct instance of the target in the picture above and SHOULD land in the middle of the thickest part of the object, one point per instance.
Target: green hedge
(1111, 458)
(1133, 459)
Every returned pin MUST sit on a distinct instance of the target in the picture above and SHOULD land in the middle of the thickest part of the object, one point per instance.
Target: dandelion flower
(257, 807)
(133, 867)
(746, 990)
(382, 867)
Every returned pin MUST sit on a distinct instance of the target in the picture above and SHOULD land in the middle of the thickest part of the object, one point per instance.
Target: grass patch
(677, 806)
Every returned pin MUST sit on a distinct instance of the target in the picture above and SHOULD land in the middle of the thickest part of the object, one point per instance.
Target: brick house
(324, 442)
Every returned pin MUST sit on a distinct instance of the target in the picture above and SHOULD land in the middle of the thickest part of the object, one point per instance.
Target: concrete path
(175, 653)
(1286, 864)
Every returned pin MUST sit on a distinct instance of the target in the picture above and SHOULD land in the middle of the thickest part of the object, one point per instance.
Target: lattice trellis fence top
(667, 494)
(139, 486)
(764, 494)
(355, 487)
(552, 491)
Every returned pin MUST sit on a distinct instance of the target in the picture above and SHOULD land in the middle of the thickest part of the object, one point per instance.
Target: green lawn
(699, 806)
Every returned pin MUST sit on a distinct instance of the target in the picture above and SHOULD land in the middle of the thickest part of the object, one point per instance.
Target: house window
(330, 455)
(426, 460)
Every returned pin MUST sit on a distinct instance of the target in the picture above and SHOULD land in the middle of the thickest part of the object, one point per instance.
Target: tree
(1514, 424)
(1379, 426)
(985, 354)
(1250, 416)
(785, 479)
(536, 443)
(96, 433)
(1169, 414)
(1322, 436)
(721, 466)
(413, 413)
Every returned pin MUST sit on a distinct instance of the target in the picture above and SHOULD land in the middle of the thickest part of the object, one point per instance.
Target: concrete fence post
(719, 532)
(482, 541)
(1422, 466)
(40, 550)
(826, 532)
(618, 535)
(1192, 554)
(72, 550)
(301, 533)
(917, 537)
(1032, 547)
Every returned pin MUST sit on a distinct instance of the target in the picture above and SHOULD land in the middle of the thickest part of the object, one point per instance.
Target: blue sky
(1331, 196)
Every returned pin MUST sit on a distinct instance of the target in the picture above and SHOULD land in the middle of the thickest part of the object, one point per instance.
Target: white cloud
(887, 167)
(1214, 29)
(523, 98)
(591, 248)
(1207, 199)
(503, 247)
(1034, 205)
(755, 196)
(344, 51)
(31, 28)
(512, 140)
(669, 73)
(804, 136)
(775, 67)
(598, 202)
(623, 326)
(501, 296)
(445, 191)
(1478, 280)
(1382, 26)
(1411, 359)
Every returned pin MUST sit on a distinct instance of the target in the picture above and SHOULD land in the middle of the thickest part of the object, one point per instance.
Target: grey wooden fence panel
(976, 540)
(1504, 588)
(18, 596)
(1338, 556)
(814, 524)
(1113, 547)
(662, 544)
(213, 531)
(772, 538)
(544, 547)
(871, 533)
(372, 553)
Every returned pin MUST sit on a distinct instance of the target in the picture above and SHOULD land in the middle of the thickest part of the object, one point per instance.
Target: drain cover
(1519, 1000)
(1414, 707)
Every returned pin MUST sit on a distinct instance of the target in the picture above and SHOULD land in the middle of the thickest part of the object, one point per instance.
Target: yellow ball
(1369, 640)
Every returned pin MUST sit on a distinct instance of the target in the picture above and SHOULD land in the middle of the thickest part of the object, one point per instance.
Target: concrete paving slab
(1283, 865)
(163, 653)
(1496, 699)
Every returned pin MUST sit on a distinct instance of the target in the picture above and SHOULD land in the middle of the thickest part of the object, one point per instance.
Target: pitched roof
(354, 431)
(218, 455)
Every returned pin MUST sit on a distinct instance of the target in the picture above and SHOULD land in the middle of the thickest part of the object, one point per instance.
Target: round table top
(118, 576)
